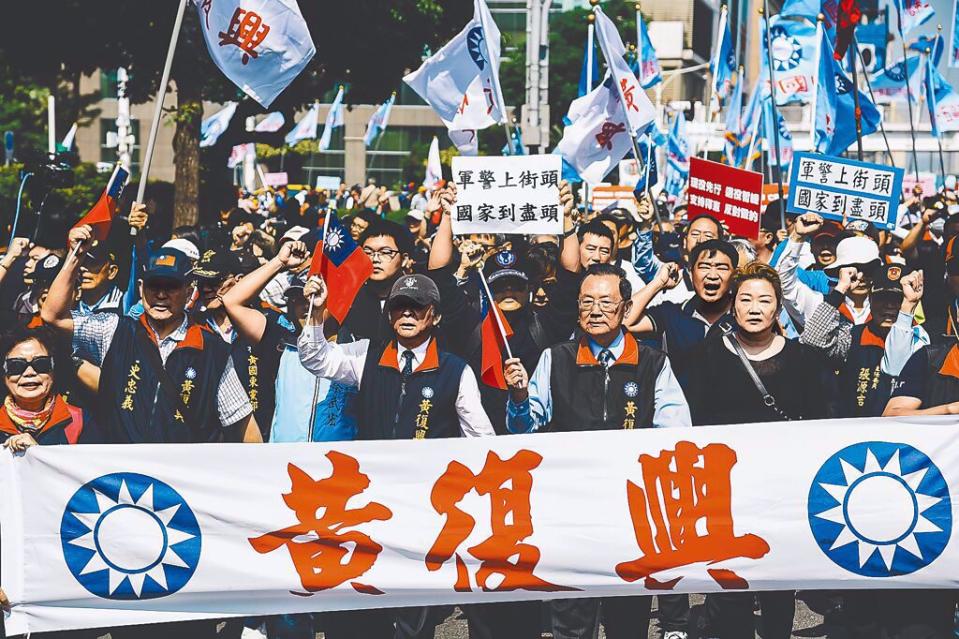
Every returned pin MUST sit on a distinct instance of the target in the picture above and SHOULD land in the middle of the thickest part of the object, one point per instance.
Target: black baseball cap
(887, 279)
(502, 266)
(169, 264)
(416, 288)
(46, 270)
(218, 264)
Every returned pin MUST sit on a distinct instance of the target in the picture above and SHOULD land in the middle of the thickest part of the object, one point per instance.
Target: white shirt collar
(616, 347)
(419, 354)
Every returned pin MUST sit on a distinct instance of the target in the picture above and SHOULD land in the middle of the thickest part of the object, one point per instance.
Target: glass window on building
(387, 160)
(108, 84)
(108, 154)
(330, 162)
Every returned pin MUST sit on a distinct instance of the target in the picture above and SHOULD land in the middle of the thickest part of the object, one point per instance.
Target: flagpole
(928, 62)
(590, 50)
(752, 140)
(158, 108)
(815, 100)
(713, 67)
(882, 126)
(855, 97)
(492, 309)
(326, 227)
(497, 89)
(905, 63)
(764, 11)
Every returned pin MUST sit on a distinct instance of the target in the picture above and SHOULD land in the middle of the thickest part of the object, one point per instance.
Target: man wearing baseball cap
(163, 378)
(869, 357)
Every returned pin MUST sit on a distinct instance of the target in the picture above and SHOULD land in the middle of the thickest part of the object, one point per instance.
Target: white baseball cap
(186, 247)
(853, 251)
(294, 233)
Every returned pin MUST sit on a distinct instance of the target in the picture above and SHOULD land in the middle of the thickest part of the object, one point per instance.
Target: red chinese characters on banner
(684, 492)
(246, 31)
(628, 89)
(320, 545)
(732, 195)
(507, 483)
(605, 137)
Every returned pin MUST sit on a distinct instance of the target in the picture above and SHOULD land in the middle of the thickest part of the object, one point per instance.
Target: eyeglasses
(16, 366)
(385, 253)
(703, 235)
(606, 306)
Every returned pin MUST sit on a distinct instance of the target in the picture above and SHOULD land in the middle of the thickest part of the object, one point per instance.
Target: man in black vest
(163, 379)
(408, 387)
(605, 380)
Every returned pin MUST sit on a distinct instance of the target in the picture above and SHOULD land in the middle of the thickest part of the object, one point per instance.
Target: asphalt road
(809, 621)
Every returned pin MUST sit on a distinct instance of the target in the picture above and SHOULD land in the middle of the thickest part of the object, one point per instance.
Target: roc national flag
(100, 217)
(461, 80)
(334, 119)
(260, 45)
(494, 332)
(378, 121)
(343, 265)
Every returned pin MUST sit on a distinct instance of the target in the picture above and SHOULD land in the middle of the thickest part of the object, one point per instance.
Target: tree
(367, 43)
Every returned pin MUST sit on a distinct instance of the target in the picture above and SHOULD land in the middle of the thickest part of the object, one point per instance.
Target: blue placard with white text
(834, 187)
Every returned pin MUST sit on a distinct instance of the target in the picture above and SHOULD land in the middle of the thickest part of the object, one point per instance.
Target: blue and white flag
(889, 84)
(589, 73)
(213, 127)
(650, 73)
(942, 101)
(334, 119)
(272, 122)
(734, 125)
(461, 80)
(837, 107)
(378, 121)
(912, 14)
(723, 64)
(954, 47)
(752, 124)
(649, 177)
(518, 148)
(677, 157)
(930, 46)
(260, 46)
(775, 119)
(305, 129)
(794, 59)
(640, 112)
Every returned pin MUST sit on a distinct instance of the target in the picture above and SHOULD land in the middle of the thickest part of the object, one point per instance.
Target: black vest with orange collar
(942, 386)
(133, 409)
(585, 397)
(422, 407)
(863, 389)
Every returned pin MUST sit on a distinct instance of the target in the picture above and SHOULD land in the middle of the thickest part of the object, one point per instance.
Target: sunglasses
(16, 366)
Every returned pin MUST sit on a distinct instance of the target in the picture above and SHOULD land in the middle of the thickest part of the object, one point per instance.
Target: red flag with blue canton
(343, 265)
(100, 217)
(493, 346)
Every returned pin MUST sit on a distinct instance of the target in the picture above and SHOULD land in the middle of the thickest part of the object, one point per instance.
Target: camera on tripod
(50, 170)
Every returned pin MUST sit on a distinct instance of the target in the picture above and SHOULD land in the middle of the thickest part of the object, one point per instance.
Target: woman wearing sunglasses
(32, 412)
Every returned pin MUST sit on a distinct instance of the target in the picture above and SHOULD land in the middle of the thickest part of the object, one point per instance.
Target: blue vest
(133, 409)
(423, 407)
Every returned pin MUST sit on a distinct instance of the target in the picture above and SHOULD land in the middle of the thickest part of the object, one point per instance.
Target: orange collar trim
(630, 354)
(869, 338)
(431, 361)
(950, 366)
(192, 339)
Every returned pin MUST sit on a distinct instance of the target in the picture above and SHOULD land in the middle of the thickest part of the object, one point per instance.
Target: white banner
(510, 194)
(110, 535)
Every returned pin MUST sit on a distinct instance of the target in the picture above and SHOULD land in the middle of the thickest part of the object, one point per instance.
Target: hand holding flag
(495, 333)
(343, 266)
(100, 217)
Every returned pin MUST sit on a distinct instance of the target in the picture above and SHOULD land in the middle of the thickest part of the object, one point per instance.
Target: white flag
(239, 153)
(466, 141)
(213, 127)
(640, 110)
(67, 142)
(379, 121)
(333, 119)
(261, 46)
(305, 129)
(598, 138)
(272, 122)
(434, 169)
(461, 80)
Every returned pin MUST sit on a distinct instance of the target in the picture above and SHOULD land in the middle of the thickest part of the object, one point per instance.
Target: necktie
(407, 364)
(606, 358)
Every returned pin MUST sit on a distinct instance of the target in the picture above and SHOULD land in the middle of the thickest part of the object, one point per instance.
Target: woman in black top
(721, 391)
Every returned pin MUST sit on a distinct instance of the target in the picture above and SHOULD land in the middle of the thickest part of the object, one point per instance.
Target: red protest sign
(732, 195)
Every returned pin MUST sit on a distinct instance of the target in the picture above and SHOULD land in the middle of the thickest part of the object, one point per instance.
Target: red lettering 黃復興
(679, 489)
(319, 545)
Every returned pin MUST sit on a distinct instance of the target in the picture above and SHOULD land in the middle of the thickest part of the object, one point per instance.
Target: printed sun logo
(129, 536)
(880, 509)
(787, 52)
(335, 240)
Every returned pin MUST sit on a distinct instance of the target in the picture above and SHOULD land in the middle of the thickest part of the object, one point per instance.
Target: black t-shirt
(720, 390)
(914, 376)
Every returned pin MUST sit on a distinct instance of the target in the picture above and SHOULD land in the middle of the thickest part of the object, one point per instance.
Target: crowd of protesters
(218, 334)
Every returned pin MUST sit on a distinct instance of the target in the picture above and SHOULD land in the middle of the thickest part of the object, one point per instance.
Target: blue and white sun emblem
(880, 509)
(427, 392)
(631, 389)
(505, 258)
(128, 536)
(474, 45)
(190, 373)
(334, 240)
(787, 51)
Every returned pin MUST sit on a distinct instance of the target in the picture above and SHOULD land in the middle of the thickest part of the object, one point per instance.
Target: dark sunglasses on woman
(16, 366)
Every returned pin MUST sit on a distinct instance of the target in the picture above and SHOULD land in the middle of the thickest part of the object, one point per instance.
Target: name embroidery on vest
(423, 417)
(864, 384)
(254, 389)
(630, 422)
(133, 379)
